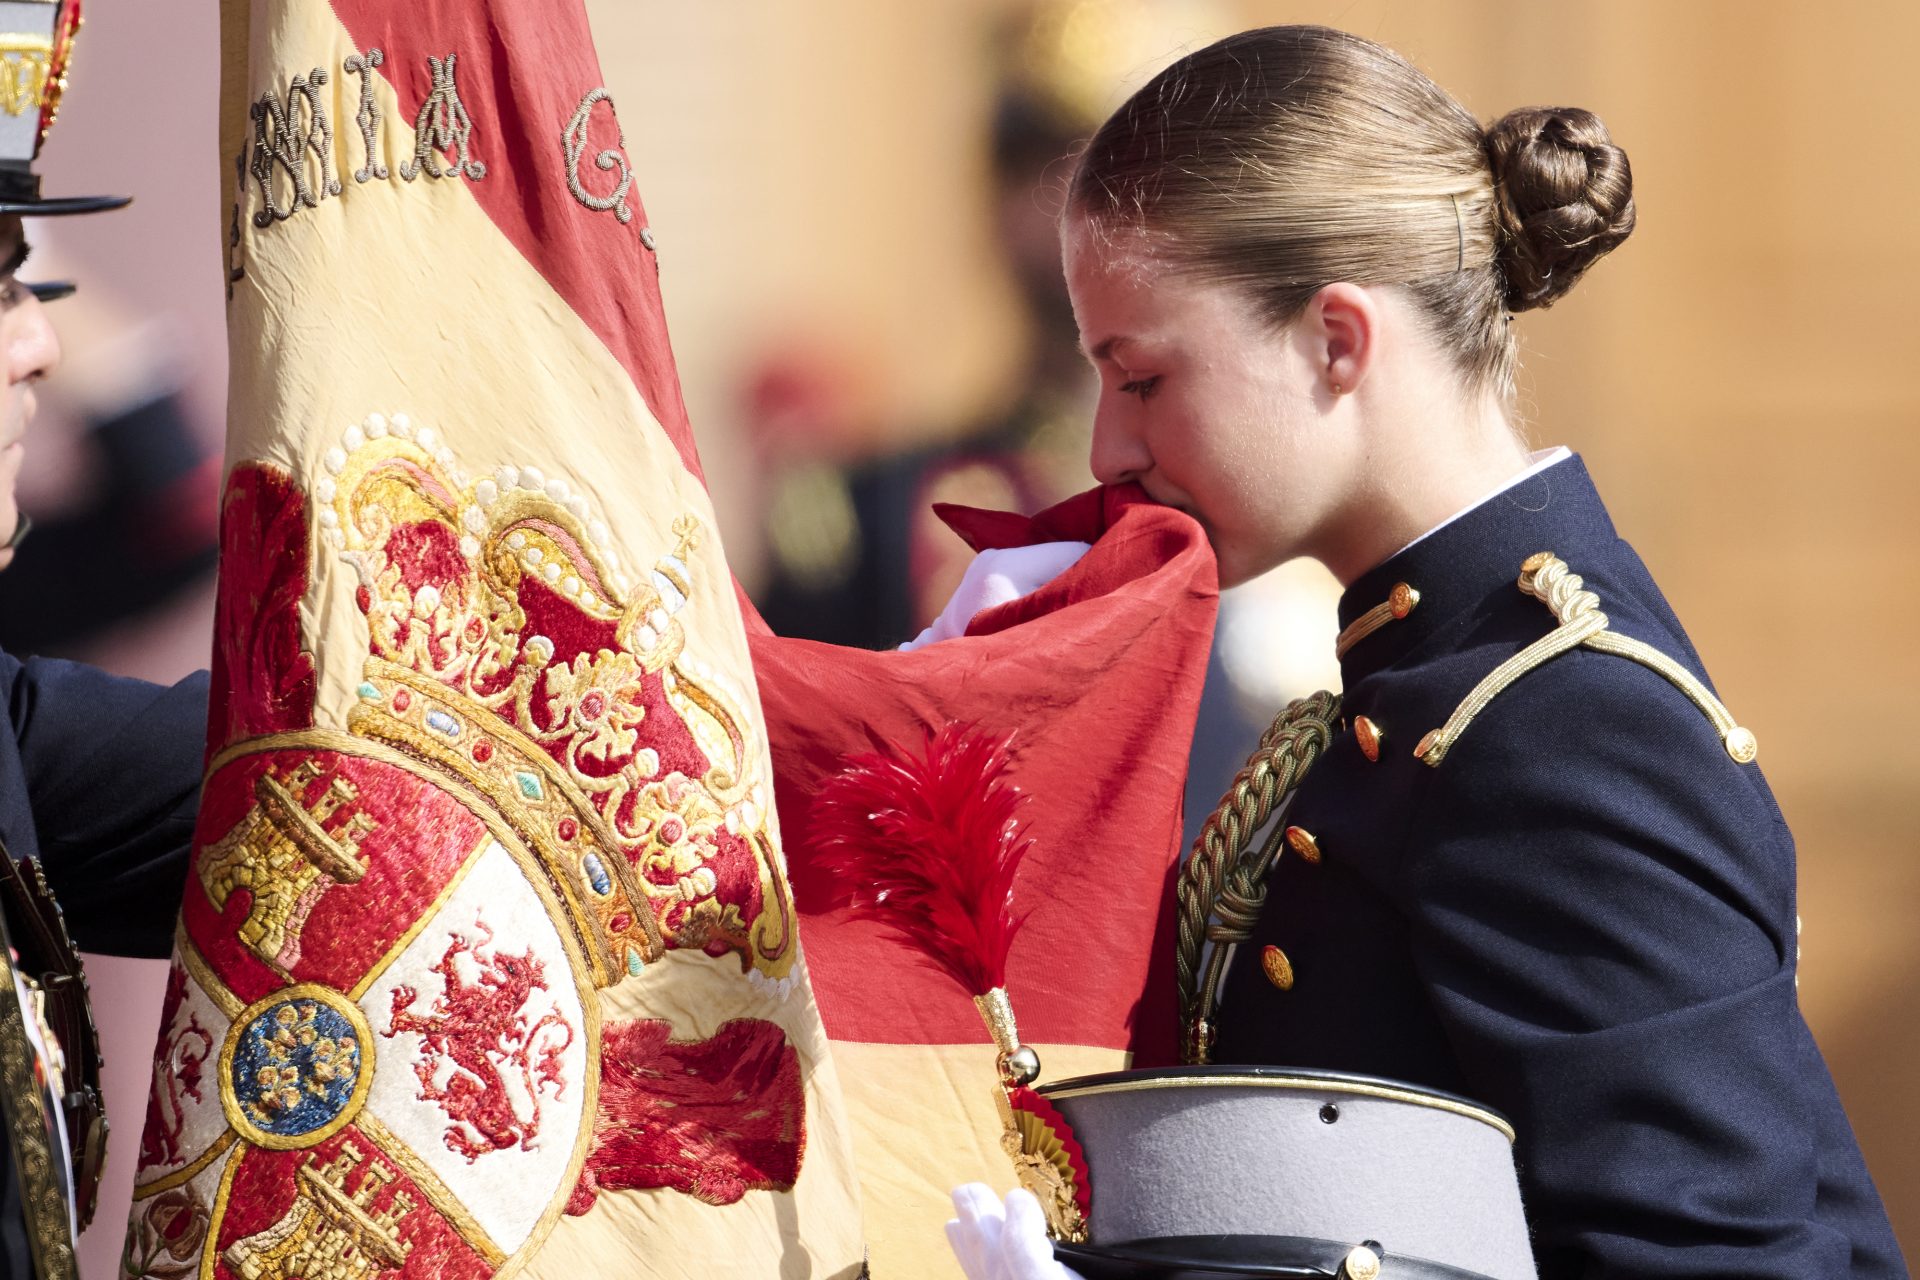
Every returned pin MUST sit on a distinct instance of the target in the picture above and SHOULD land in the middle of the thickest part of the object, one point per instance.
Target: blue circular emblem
(294, 1067)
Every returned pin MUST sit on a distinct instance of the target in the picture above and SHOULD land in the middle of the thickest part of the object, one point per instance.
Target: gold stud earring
(1334, 387)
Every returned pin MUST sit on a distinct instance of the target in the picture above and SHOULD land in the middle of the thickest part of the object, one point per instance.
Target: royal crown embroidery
(506, 648)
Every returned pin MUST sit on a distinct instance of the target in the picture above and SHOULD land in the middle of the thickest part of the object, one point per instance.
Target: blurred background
(853, 201)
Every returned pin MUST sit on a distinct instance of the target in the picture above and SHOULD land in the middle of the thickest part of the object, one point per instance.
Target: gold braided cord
(1568, 635)
(1398, 604)
(1547, 578)
(1222, 888)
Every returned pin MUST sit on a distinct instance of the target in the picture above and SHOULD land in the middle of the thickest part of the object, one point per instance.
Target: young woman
(1548, 876)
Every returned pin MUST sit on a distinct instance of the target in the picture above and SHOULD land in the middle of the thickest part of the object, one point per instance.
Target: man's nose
(33, 349)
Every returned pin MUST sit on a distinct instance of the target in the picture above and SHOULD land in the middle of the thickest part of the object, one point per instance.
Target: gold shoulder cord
(1222, 887)
(36, 1164)
(1548, 579)
(1398, 604)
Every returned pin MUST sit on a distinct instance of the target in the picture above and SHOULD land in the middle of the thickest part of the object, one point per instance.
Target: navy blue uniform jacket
(99, 778)
(1583, 916)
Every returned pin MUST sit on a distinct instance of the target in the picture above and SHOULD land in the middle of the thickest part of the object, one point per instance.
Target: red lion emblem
(481, 1028)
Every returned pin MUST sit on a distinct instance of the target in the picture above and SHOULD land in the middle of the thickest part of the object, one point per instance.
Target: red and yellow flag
(487, 961)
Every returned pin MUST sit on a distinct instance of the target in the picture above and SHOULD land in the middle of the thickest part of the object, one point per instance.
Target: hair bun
(1564, 196)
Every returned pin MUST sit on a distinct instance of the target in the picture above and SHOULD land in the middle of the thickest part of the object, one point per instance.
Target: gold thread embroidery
(281, 852)
(330, 1232)
(223, 999)
(373, 749)
(538, 876)
(179, 1177)
(210, 1255)
(456, 671)
(1546, 578)
(514, 752)
(294, 1027)
(37, 1165)
(26, 67)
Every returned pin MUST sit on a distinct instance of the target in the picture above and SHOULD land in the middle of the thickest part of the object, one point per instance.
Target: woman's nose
(1118, 454)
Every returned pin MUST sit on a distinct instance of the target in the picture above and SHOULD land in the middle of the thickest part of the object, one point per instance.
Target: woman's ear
(1345, 323)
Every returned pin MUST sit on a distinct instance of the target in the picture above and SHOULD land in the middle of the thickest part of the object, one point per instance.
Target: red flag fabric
(1097, 676)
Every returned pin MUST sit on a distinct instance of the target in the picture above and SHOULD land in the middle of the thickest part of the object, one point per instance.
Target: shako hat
(36, 48)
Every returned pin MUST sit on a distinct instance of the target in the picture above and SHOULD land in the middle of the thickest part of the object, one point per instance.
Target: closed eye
(1142, 387)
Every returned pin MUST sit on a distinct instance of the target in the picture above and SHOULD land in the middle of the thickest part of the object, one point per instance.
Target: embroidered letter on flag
(487, 962)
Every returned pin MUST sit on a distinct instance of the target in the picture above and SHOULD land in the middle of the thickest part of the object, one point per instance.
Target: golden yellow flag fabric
(487, 962)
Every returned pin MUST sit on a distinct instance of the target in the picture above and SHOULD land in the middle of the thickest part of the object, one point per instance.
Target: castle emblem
(285, 854)
(330, 1233)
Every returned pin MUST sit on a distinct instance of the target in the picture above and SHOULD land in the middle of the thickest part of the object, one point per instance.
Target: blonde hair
(1283, 159)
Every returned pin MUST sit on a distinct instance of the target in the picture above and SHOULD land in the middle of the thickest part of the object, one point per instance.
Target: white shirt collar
(1542, 459)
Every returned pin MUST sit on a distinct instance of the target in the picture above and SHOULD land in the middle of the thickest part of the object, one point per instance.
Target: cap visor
(60, 205)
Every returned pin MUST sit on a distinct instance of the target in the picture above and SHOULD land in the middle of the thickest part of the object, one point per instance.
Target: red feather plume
(928, 845)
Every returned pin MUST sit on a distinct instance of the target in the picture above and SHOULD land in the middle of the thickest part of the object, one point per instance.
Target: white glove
(996, 1243)
(996, 577)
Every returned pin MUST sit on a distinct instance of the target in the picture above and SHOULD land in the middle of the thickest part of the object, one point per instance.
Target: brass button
(1279, 969)
(1368, 735)
(1536, 562)
(1301, 841)
(1402, 599)
(1742, 745)
(1361, 1264)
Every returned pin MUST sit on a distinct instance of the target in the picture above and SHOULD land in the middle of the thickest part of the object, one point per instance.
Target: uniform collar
(1459, 566)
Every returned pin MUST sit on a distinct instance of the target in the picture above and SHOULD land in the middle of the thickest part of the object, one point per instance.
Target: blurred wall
(1739, 375)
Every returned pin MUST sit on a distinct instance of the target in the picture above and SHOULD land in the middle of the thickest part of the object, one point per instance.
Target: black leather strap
(1225, 1257)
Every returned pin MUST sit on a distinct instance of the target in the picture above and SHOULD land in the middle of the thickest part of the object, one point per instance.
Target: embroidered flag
(487, 961)
(1096, 677)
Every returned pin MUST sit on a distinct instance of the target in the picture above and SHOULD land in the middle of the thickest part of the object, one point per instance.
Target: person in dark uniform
(1537, 864)
(99, 780)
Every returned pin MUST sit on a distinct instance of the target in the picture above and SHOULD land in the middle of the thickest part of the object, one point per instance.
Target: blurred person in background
(123, 495)
(858, 558)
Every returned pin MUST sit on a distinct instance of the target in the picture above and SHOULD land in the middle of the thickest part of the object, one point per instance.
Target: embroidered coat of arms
(487, 962)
